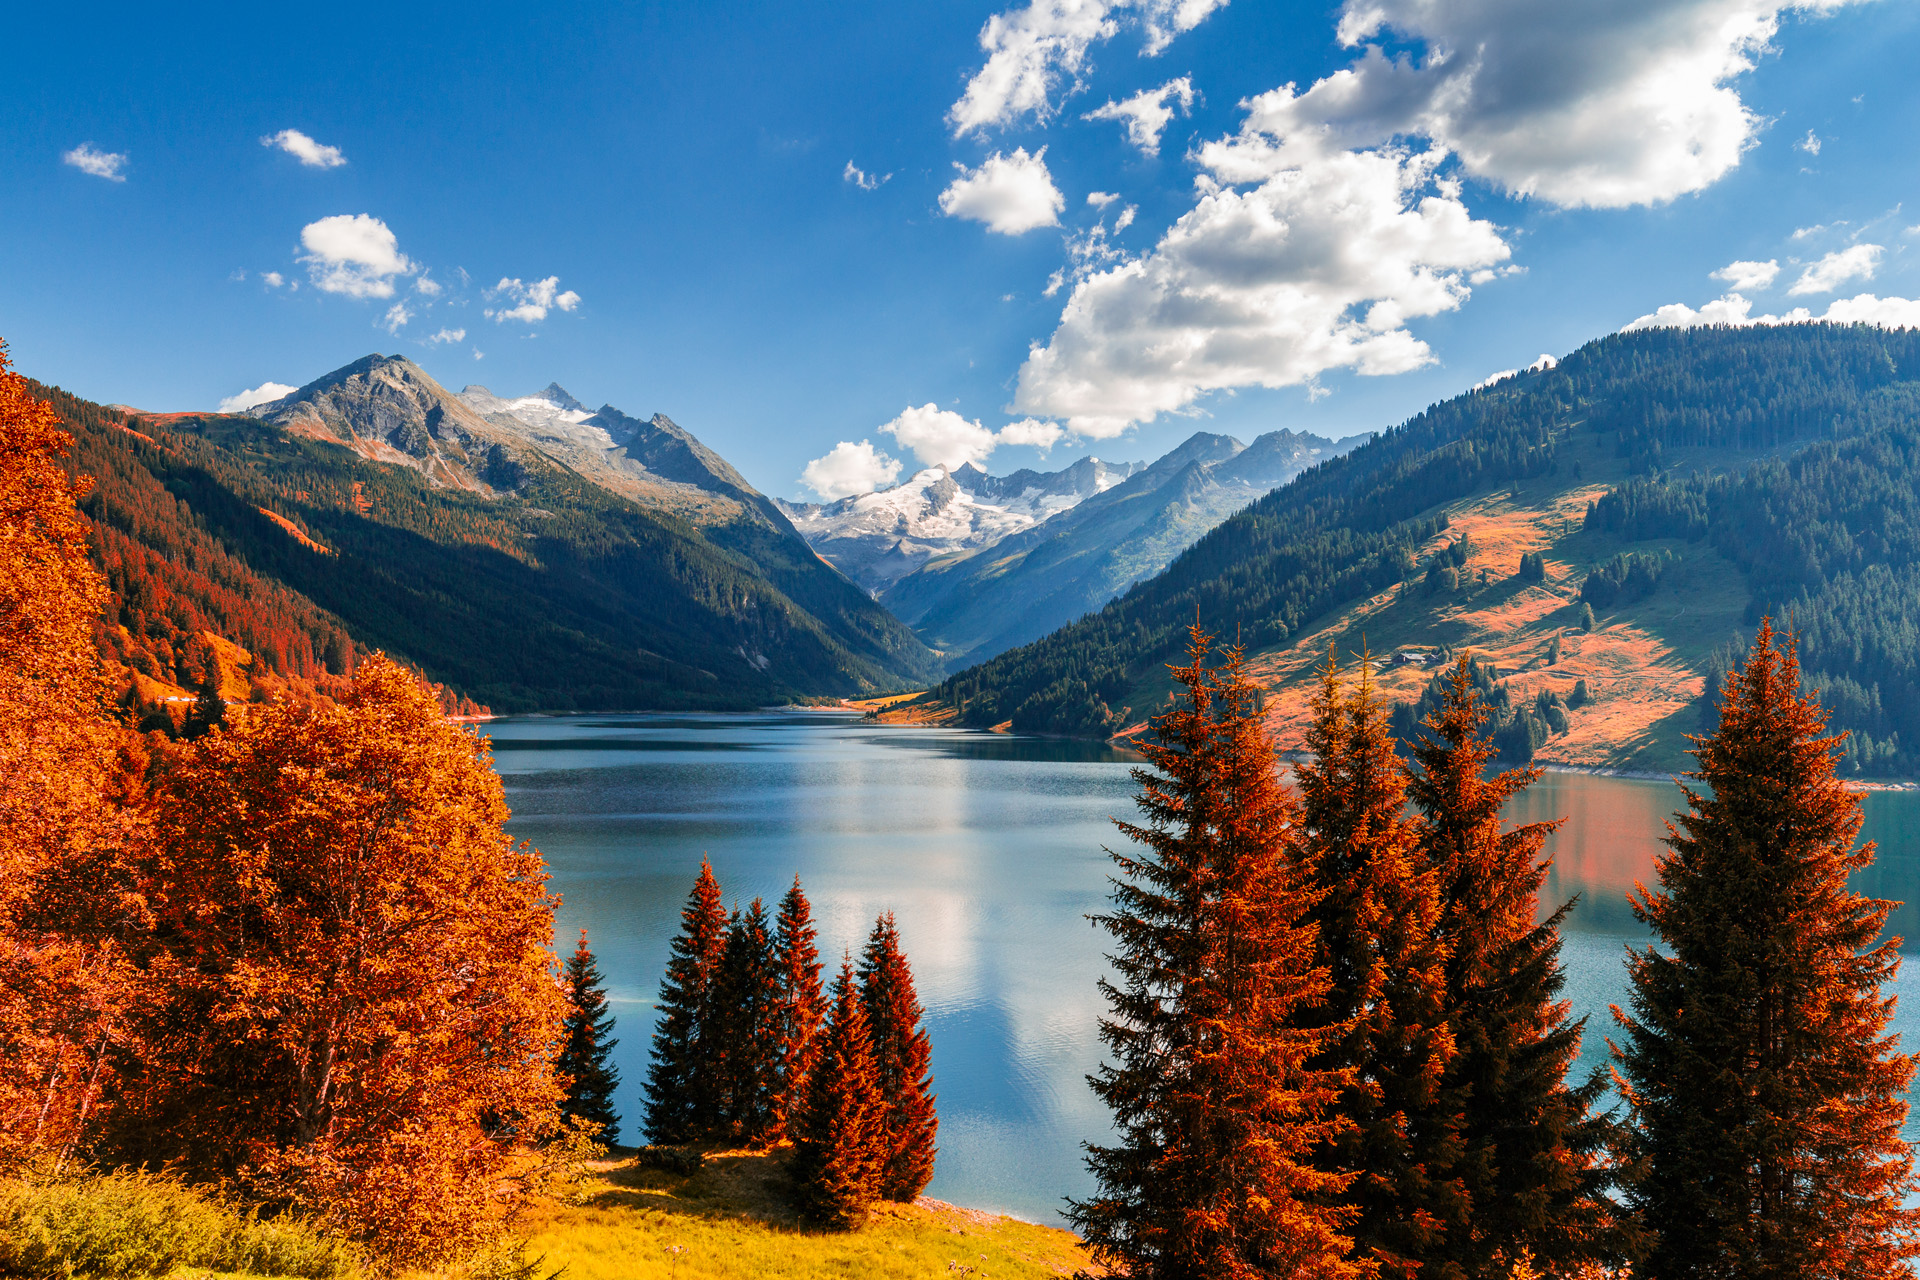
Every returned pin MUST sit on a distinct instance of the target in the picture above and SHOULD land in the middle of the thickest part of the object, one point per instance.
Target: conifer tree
(1765, 1093)
(1218, 1107)
(747, 1047)
(903, 1060)
(1377, 909)
(586, 1052)
(682, 1101)
(837, 1160)
(1527, 1165)
(801, 1007)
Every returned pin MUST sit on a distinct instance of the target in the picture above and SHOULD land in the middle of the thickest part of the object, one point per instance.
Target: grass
(733, 1220)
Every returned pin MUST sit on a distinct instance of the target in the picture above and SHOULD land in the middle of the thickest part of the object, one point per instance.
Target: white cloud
(1834, 270)
(1125, 219)
(940, 437)
(1011, 194)
(1741, 276)
(1033, 52)
(1032, 431)
(1736, 311)
(397, 317)
(1318, 267)
(449, 336)
(88, 158)
(304, 149)
(1810, 144)
(273, 279)
(862, 179)
(426, 286)
(1600, 105)
(1544, 361)
(848, 469)
(534, 300)
(1146, 113)
(265, 393)
(1101, 199)
(355, 254)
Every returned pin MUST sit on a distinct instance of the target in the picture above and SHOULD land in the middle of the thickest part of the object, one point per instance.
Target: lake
(988, 849)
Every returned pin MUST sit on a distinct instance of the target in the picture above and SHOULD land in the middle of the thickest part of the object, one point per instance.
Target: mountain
(1023, 585)
(372, 508)
(878, 538)
(1678, 484)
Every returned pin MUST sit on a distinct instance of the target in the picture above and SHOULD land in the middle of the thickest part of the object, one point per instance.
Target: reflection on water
(989, 850)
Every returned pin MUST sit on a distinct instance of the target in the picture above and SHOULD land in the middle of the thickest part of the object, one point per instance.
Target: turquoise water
(988, 849)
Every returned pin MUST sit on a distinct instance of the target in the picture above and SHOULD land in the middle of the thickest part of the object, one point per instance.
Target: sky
(841, 242)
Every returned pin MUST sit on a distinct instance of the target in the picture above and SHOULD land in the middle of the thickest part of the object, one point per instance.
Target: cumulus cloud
(304, 149)
(1146, 114)
(272, 279)
(1036, 55)
(848, 469)
(449, 336)
(426, 286)
(533, 301)
(265, 393)
(1736, 311)
(396, 317)
(1810, 144)
(1032, 431)
(940, 437)
(355, 254)
(1544, 361)
(1011, 194)
(861, 178)
(1741, 276)
(1834, 270)
(1101, 199)
(1606, 105)
(88, 158)
(1319, 266)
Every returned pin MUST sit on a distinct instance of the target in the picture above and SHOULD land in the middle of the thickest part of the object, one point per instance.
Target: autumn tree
(362, 1012)
(682, 1087)
(1765, 1092)
(1213, 1088)
(68, 906)
(1527, 1164)
(801, 1007)
(586, 1050)
(1376, 910)
(838, 1142)
(747, 1048)
(903, 1063)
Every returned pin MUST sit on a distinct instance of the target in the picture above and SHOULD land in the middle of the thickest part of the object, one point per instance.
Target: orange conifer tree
(682, 1085)
(1528, 1165)
(362, 1008)
(839, 1143)
(801, 1007)
(1219, 1107)
(67, 903)
(903, 1062)
(1377, 911)
(1766, 1095)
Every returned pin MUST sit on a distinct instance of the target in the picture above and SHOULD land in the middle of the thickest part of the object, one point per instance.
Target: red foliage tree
(839, 1143)
(903, 1062)
(801, 1008)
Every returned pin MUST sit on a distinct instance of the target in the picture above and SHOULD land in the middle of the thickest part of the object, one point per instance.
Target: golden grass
(733, 1220)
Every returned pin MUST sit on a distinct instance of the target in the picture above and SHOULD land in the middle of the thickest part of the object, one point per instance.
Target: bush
(128, 1224)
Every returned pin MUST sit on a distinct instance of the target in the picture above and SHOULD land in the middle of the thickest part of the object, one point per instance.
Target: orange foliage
(361, 1008)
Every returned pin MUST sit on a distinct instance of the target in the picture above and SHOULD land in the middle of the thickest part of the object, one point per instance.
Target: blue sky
(796, 229)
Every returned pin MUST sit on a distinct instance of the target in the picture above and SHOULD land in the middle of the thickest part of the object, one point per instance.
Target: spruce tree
(1377, 909)
(903, 1061)
(586, 1050)
(1765, 1092)
(682, 1102)
(1218, 1108)
(1528, 1165)
(745, 1007)
(801, 1008)
(838, 1144)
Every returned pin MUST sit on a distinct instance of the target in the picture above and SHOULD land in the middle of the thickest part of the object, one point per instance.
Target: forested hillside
(560, 595)
(1820, 530)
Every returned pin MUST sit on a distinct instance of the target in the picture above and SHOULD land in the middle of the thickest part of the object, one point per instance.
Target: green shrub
(126, 1224)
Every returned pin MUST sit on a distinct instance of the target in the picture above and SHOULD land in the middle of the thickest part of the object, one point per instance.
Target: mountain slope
(1040, 578)
(382, 512)
(1802, 438)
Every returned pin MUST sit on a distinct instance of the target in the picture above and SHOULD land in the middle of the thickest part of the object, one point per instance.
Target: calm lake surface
(988, 849)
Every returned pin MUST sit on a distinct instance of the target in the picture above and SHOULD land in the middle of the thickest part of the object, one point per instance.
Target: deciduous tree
(1765, 1091)
(903, 1063)
(838, 1155)
(1213, 1088)
(586, 1051)
(682, 1097)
